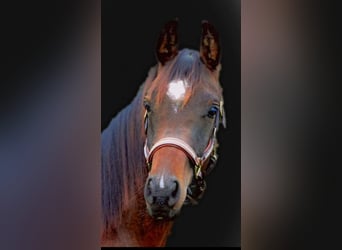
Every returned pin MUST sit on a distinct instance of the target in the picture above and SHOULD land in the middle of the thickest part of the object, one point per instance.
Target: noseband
(202, 165)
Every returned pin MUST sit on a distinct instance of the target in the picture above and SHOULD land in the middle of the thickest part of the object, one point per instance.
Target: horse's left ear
(167, 45)
(210, 51)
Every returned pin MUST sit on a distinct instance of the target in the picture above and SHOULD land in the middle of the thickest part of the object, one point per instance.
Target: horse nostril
(148, 187)
(174, 193)
(149, 183)
(148, 191)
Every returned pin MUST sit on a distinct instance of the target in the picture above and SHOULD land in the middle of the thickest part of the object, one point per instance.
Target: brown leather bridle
(202, 164)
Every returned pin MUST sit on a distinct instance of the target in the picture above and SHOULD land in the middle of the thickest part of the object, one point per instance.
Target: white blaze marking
(161, 183)
(177, 90)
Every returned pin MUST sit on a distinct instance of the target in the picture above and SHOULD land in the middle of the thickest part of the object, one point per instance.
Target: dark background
(129, 32)
(50, 109)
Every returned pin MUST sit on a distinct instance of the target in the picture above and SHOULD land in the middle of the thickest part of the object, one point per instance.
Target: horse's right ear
(167, 44)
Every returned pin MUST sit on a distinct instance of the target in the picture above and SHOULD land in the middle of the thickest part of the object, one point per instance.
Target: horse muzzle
(161, 196)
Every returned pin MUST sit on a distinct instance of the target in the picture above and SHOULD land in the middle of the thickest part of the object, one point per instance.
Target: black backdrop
(129, 31)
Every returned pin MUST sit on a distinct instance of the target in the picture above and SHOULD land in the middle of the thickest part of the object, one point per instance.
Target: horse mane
(123, 163)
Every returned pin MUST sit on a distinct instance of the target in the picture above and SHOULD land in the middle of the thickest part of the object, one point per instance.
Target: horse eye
(213, 111)
(147, 107)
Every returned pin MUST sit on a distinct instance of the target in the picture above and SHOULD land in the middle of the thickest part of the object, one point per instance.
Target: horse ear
(210, 52)
(167, 45)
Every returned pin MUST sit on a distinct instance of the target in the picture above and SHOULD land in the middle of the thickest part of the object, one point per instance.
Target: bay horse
(156, 152)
